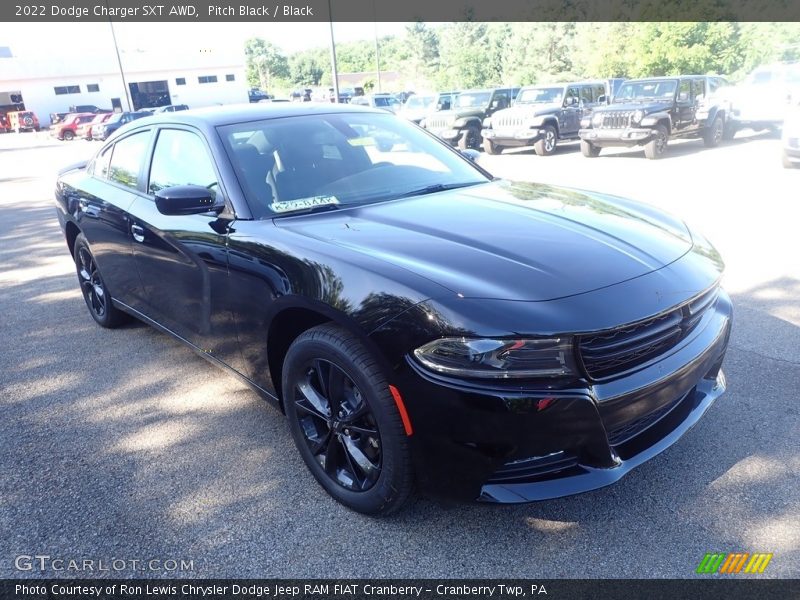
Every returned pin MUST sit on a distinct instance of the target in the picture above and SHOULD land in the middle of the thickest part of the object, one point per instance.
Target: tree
(264, 61)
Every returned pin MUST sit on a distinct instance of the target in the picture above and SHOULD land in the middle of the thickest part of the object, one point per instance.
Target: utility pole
(119, 61)
(333, 58)
(377, 48)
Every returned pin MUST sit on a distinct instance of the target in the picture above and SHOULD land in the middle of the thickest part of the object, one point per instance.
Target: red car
(84, 130)
(67, 129)
(4, 126)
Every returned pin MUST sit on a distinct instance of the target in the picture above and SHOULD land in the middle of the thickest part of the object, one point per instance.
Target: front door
(182, 260)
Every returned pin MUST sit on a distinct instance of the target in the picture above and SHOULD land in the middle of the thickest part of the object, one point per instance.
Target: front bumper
(518, 137)
(451, 136)
(629, 136)
(510, 444)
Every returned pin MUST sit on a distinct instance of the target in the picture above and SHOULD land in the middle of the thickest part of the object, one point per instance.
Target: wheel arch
(294, 316)
(71, 232)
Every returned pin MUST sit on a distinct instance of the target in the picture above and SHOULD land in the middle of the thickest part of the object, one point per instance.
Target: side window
(126, 159)
(99, 166)
(713, 85)
(500, 100)
(599, 90)
(180, 158)
(586, 94)
(685, 91)
(698, 88)
(572, 92)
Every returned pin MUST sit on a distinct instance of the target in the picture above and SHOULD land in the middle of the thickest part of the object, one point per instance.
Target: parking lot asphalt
(125, 445)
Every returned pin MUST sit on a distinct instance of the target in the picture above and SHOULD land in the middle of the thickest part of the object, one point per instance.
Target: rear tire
(589, 150)
(94, 290)
(657, 146)
(344, 421)
(713, 135)
(546, 145)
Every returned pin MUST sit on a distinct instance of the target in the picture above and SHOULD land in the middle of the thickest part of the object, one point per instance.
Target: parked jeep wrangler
(763, 99)
(542, 116)
(650, 112)
(461, 125)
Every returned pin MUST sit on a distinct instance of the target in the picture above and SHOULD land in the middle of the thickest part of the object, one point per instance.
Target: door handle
(138, 233)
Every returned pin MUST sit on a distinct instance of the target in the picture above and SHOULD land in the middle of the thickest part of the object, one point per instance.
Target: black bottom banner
(397, 589)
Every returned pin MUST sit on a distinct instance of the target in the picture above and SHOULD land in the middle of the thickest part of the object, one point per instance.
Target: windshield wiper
(436, 187)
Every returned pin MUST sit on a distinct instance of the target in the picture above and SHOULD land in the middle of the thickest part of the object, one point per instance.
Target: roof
(216, 116)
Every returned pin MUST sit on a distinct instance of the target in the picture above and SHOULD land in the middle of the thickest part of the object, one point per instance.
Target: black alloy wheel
(344, 422)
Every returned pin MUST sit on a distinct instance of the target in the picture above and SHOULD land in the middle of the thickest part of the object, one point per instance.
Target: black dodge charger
(418, 322)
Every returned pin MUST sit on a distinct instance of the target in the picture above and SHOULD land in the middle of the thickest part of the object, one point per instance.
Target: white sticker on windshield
(302, 203)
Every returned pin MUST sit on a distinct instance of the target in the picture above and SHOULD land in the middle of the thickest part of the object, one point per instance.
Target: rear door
(101, 210)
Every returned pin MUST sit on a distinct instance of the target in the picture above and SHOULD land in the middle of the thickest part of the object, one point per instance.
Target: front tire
(546, 145)
(470, 139)
(589, 150)
(68, 136)
(491, 148)
(657, 146)
(94, 290)
(344, 421)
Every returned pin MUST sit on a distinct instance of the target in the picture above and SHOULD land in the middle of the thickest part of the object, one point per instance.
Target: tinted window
(586, 94)
(599, 90)
(180, 158)
(126, 159)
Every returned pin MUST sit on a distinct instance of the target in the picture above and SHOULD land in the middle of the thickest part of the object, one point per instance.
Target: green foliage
(264, 61)
(469, 54)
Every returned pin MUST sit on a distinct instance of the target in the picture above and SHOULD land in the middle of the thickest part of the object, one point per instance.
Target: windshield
(548, 95)
(313, 161)
(419, 102)
(473, 99)
(114, 118)
(384, 101)
(646, 90)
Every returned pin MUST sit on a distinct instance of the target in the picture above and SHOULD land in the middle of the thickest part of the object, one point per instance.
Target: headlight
(597, 119)
(498, 359)
(487, 122)
(638, 116)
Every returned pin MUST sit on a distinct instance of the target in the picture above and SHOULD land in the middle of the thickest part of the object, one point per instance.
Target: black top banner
(398, 589)
(399, 10)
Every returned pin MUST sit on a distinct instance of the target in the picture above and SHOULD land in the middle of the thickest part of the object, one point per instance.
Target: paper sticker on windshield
(362, 141)
(303, 203)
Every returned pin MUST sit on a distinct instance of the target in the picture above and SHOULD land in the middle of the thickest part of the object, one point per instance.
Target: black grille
(506, 121)
(616, 119)
(616, 351)
(634, 428)
(536, 466)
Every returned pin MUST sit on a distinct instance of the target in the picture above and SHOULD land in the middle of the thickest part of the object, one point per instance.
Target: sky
(26, 38)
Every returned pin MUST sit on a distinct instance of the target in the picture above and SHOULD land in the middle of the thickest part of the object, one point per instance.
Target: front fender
(657, 117)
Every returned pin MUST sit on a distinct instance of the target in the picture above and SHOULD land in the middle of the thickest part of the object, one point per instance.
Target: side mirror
(683, 97)
(470, 154)
(570, 101)
(602, 99)
(185, 200)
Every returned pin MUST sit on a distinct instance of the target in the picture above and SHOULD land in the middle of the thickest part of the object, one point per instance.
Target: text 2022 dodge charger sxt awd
(417, 321)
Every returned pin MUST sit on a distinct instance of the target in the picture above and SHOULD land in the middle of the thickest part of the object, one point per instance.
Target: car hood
(647, 106)
(528, 110)
(507, 240)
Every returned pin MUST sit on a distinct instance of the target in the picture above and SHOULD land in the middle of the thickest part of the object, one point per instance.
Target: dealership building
(51, 84)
